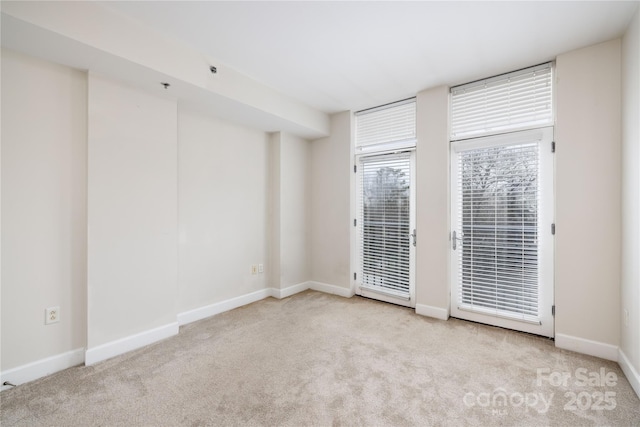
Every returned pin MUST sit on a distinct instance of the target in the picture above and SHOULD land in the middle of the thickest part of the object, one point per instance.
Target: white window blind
(514, 101)
(385, 223)
(387, 127)
(498, 218)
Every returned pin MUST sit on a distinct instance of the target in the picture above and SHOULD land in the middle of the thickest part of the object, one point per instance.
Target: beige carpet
(317, 359)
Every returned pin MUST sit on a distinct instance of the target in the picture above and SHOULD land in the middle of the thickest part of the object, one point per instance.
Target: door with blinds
(502, 203)
(384, 221)
(385, 228)
(502, 237)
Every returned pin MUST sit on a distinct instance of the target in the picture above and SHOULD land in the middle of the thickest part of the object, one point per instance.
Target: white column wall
(43, 209)
(132, 211)
(630, 291)
(432, 200)
(294, 207)
(588, 199)
(330, 204)
(223, 209)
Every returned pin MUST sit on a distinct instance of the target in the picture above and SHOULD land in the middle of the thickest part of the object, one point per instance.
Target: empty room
(322, 213)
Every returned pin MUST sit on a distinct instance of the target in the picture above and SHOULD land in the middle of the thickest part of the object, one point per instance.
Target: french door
(502, 237)
(385, 227)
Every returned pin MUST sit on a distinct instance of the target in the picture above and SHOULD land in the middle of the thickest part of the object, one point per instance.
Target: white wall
(432, 203)
(330, 204)
(630, 291)
(588, 236)
(290, 196)
(43, 208)
(294, 204)
(275, 257)
(223, 209)
(132, 211)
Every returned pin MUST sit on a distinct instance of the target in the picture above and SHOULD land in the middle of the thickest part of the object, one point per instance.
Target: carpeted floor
(318, 359)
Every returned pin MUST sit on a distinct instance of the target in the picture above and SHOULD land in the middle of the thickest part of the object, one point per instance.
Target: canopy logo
(584, 390)
(499, 400)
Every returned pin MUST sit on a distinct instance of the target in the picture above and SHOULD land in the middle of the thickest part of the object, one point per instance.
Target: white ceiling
(337, 56)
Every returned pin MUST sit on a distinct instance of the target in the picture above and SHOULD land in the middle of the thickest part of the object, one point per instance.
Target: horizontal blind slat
(498, 218)
(384, 222)
(502, 103)
(388, 125)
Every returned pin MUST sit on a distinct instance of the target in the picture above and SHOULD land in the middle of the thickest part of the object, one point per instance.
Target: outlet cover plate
(52, 315)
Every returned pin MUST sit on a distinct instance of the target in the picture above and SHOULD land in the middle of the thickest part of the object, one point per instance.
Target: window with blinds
(387, 127)
(498, 202)
(385, 223)
(514, 101)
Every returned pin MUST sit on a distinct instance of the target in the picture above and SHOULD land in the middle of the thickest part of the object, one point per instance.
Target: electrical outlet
(626, 317)
(254, 269)
(52, 315)
(260, 268)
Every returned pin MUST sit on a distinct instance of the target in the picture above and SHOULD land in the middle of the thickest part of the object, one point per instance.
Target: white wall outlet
(52, 315)
(254, 269)
(626, 317)
(260, 268)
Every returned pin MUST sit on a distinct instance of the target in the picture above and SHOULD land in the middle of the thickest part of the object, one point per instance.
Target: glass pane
(499, 222)
(385, 216)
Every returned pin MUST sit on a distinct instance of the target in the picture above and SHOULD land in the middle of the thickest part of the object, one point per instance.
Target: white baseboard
(121, 346)
(331, 289)
(629, 371)
(42, 368)
(226, 305)
(133, 342)
(585, 346)
(430, 311)
(222, 306)
(50, 365)
(289, 290)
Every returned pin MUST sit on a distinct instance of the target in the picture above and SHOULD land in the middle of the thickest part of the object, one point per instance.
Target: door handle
(454, 240)
(414, 235)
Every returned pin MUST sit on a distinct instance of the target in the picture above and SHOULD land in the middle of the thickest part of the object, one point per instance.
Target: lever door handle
(454, 240)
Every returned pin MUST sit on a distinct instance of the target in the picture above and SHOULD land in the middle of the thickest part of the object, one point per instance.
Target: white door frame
(356, 248)
(545, 325)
